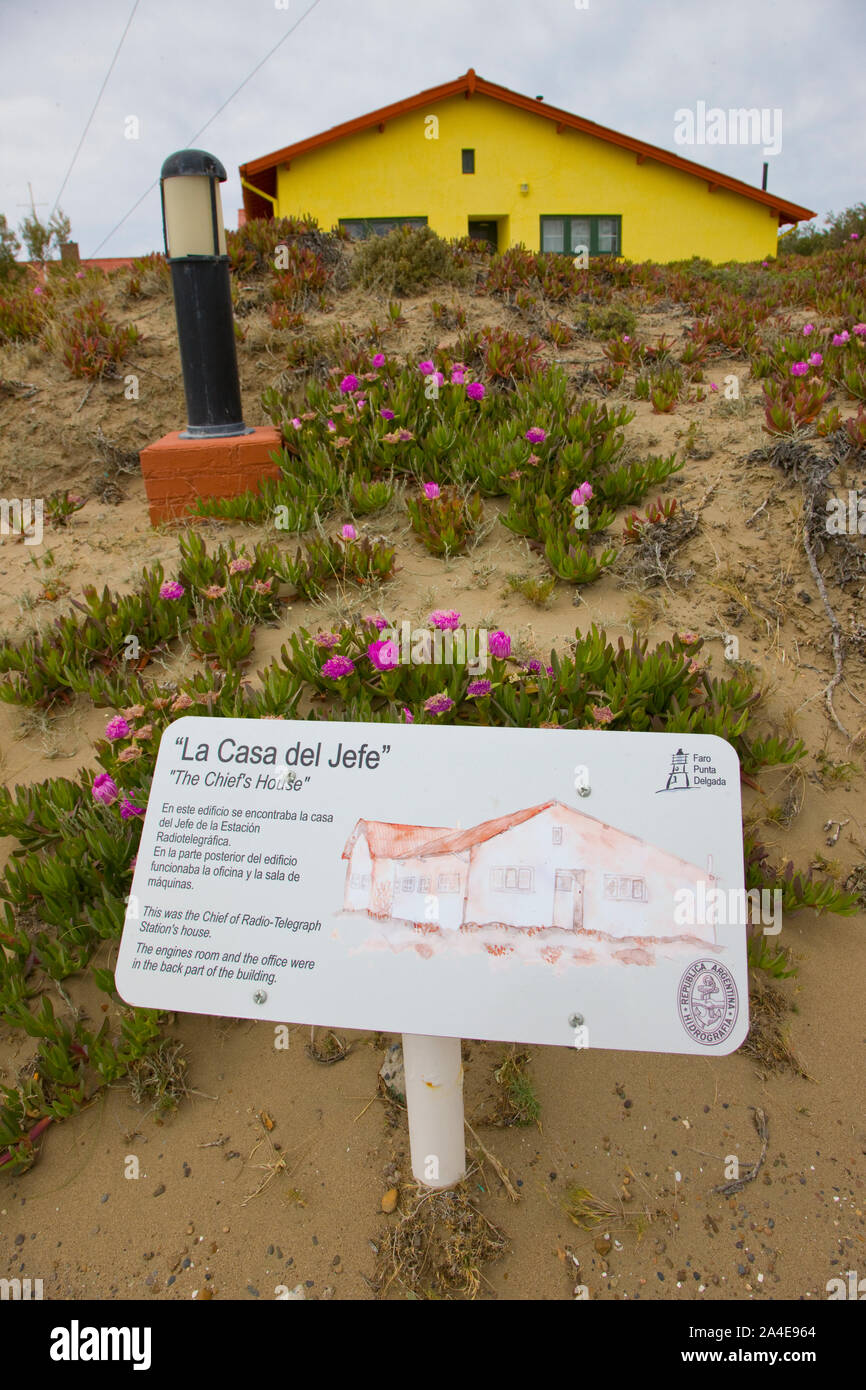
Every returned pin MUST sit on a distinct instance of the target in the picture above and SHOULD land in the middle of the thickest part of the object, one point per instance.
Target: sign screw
(260, 996)
(576, 1021)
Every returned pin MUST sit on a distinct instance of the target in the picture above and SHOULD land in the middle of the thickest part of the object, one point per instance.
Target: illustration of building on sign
(546, 867)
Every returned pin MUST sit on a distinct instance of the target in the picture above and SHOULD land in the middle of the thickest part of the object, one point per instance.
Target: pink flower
(332, 427)
(341, 441)
(376, 622)
(438, 704)
(807, 329)
(815, 359)
(326, 639)
(626, 338)
(536, 435)
(263, 586)
(408, 716)
(117, 728)
(431, 491)
(104, 789)
(386, 414)
(444, 619)
(182, 701)
(384, 655)
(840, 338)
(134, 712)
(602, 714)
(349, 533)
(379, 359)
(145, 732)
(349, 383)
(338, 666)
(79, 274)
(855, 236)
(860, 329)
(764, 264)
(38, 290)
(426, 368)
(799, 369)
(475, 391)
(713, 386)
(172, 590)
(479, 688)
(694, 668)
(403, 435)
(214, 591)
(128, 810)
(581, 495)
(499, 644)
(688, 638)
(297, 423)
(458, 376)
(240, 565)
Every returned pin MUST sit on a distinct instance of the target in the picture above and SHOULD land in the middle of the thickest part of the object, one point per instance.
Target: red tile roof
(387, 840)
(263, 170)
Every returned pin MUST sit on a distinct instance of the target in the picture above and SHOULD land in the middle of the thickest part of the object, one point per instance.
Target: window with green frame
(360, 227)
(566, 233)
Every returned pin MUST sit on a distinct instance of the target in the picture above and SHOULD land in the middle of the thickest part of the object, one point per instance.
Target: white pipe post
(434, 1098)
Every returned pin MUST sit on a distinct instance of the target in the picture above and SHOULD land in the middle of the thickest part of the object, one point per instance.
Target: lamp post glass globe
(195, 244)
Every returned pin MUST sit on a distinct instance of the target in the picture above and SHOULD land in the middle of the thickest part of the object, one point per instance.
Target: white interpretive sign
(550, 886)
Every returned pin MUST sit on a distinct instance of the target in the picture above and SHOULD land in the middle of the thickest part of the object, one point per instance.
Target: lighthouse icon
(678, 777)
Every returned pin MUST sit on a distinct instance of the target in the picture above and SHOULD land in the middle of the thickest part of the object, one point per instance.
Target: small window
(638, 889)
(581, 233)
(497, 878)
(510, 878)
(557, 834)
(408, 885)
(553, 234)
(468, 157)
(524, 880)
(562, 883)
(424, 885)
(447, 883)
(608, 235)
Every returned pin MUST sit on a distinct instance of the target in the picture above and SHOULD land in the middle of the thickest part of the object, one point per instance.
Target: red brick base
(177, 471)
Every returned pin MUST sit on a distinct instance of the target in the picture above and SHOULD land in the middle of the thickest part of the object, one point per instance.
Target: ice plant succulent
(499, 644)
(105, 789)
(384, 655)
(536, 435)
(117, 728)
(338, 666)
(172, 590)
(444, 619)
(438, 704)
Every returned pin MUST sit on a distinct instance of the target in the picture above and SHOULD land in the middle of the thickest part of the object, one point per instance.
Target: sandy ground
(225, 1206)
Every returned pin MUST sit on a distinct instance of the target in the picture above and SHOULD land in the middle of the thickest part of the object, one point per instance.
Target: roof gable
(264, 168)
(387, 840)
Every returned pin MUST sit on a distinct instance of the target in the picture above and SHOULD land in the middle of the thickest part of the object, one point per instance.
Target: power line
(95, 105)
(210, 121)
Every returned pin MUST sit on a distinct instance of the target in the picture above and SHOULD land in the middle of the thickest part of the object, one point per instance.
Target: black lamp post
(195, 243)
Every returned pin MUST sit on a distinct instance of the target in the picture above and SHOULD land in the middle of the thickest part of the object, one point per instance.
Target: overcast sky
(627, 64)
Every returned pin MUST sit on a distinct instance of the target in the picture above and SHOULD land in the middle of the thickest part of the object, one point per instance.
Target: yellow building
(472, 158)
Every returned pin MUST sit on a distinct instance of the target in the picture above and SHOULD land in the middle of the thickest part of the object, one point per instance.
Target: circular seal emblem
(708, 1002)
